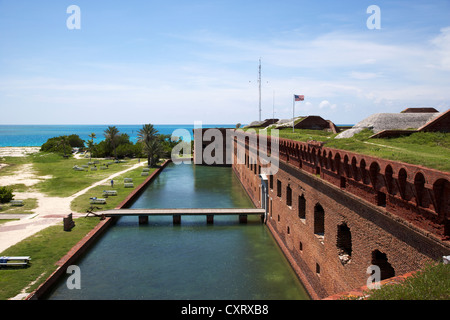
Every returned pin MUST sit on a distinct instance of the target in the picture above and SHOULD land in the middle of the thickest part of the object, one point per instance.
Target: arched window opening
(380, 259)
(344, 243)
(319, 221)
(289, 196)
(302, 207)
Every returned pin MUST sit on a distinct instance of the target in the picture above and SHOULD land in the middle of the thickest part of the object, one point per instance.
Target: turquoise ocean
(36, 135)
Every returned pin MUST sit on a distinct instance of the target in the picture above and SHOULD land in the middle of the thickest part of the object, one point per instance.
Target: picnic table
(17, 203)
(96, 200)
(14, 261)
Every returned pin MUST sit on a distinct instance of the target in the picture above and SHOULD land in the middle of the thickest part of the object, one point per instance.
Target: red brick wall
(398, 209)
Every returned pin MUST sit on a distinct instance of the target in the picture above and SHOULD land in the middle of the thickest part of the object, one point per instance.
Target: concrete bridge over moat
(143, 214)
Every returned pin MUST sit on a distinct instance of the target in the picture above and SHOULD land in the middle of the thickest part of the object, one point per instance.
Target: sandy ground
(23, 175)
(49, 211)
(17, 151)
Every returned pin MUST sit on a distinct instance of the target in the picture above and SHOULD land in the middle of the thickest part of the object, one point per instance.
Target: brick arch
(324, 159)
(314, 156)
(388, 176)
(441, 192)
(402, 182)
(363, 170)
(374, 171)
(319, 158)
(330, 161)
(309, 157)
(337, 163)
(355, 172)
(346, 166)
(419, 188)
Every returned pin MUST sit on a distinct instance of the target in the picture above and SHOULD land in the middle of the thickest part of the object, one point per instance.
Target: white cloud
(441, 44)
(364, 75)
(325, 104)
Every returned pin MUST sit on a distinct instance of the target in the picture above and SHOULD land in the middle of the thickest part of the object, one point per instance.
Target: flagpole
(293, 112)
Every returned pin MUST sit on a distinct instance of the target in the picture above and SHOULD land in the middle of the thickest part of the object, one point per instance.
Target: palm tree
(148, 135)
(111, 134)
(63, 145)
(91, 145)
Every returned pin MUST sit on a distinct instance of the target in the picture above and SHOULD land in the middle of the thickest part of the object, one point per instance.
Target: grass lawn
(45, 249)
(29, 204)
(81, 203)
(431, 283)
(66, 181)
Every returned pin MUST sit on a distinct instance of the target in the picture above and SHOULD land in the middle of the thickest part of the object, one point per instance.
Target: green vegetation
(151, 145)
(6, 194)
(431, 283)
(81, 203)
(63, 144)
(65, 180)
(43, 256)
(429, 149)
(28, 206)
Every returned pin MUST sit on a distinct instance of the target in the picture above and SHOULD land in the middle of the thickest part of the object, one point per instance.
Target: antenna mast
(259, 82)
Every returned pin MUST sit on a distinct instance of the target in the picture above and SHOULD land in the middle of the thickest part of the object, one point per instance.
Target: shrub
(63, 144)
(6, 194)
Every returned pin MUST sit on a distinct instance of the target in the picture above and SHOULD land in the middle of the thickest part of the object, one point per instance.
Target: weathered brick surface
(389, 207)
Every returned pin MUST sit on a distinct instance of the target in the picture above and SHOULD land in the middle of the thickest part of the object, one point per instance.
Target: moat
(159, 260)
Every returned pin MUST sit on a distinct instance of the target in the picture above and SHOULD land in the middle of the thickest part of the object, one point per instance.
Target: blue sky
(163, 62)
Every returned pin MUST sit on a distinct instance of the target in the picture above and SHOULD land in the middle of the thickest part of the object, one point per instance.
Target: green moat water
(225, 261)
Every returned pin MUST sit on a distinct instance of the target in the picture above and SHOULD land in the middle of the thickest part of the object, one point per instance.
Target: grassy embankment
(429, 283)
(51, 244)
(45, 249)
(429, 149)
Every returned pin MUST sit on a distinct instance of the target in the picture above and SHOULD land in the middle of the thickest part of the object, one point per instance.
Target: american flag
(299, 97)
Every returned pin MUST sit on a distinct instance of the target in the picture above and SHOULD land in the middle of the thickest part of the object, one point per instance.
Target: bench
(129, 185)
(127, 180)
(16, 203)
(146, 170)
(77, 168)
(144, 174)
(109, 192)
(19, 261)
(97, 201)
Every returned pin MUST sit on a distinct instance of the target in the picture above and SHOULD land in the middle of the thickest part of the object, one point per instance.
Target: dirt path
(49, 211)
